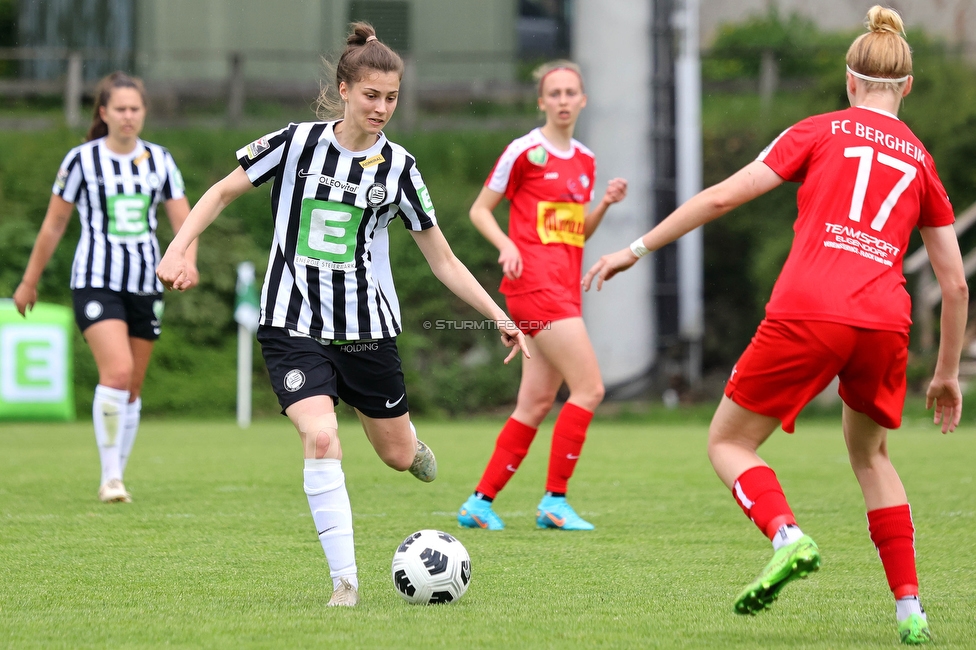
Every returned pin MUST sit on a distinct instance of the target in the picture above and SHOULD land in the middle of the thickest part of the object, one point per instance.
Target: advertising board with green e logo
(36, 363)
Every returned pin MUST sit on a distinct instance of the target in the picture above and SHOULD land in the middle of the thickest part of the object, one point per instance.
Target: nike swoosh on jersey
(390, 404)
(572, 457)
(329, 181)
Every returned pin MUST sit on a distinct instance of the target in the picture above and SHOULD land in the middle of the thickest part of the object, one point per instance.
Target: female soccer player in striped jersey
(117, 182)
(839, 308)
(548, 178)
(329, 312)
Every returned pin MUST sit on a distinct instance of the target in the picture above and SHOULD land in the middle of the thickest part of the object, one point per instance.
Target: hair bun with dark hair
(355, 62)
(361, 33)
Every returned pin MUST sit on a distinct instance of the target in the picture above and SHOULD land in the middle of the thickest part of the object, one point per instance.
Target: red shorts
(535, 310)
(788, 363)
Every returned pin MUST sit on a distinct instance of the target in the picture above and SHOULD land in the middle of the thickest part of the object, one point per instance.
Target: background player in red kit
(839, 308)
(548, 177)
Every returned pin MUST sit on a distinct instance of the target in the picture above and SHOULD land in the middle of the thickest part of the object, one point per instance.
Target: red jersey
(548, 191)
(866, 182)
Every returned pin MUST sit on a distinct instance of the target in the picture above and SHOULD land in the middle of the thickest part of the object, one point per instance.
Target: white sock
(325, 486)
(133, 414)
(786, 535)
(905, 607)
(108, 416)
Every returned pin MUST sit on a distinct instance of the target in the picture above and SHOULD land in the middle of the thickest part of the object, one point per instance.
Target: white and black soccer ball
(431, 567)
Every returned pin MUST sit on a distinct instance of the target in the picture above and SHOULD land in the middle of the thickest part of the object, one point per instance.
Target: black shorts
(142, 312)
(364, 374)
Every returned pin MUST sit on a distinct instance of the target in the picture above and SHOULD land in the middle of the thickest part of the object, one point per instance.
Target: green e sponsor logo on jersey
(327, 234)
(128, 215)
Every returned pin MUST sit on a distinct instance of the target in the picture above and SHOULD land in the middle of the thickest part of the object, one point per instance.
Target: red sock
(510, 448)
(567, 442)
(759, 494)
(893, 534)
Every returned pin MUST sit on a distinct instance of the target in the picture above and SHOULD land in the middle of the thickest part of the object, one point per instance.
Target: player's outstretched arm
(52, 229)
(944, 392)
(456, 277)
(751, 181)
(173, 270)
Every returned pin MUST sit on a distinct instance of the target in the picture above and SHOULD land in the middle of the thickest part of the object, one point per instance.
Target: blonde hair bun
(883, 19)
(882, 51)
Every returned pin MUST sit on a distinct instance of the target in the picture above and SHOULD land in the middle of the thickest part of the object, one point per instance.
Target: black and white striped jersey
(117, 196)
(329, 269)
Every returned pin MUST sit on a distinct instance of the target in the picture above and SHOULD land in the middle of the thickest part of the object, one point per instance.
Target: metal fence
(242, 79)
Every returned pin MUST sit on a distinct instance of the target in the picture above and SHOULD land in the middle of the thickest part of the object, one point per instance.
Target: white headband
(880, 80)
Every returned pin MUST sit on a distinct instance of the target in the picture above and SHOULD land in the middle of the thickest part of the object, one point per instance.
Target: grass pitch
(219, 550)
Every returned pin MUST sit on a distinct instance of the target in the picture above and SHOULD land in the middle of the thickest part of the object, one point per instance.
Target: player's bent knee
(399, 459)
(539, 411)
(874, 460)
(118, 377)
(325, 441)
(599, 392)
(588, 397)
(717, 446)
(321, 436)
(536, 407)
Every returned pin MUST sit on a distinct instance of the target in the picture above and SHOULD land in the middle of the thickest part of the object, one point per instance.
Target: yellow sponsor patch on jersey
(374, 160)
(561, 223)
(141, 158)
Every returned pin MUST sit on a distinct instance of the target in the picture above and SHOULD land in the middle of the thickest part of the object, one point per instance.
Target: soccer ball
(431, 567)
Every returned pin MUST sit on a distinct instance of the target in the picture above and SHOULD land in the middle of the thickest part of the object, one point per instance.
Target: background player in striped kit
(839, 308)
(117, 181)
(548, 178)
(329, 313)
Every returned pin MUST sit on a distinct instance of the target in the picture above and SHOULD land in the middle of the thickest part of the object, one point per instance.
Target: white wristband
(638, 248)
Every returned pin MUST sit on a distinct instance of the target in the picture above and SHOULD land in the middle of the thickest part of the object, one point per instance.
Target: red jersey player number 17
(838, 309)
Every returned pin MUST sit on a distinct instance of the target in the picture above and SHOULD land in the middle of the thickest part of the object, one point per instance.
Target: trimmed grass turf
(218, 549)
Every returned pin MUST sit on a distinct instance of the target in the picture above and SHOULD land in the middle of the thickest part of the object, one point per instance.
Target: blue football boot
(555, 512)
(477, 513)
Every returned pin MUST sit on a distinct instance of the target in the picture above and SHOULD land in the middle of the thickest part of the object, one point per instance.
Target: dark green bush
(194, 364)
(453, 371)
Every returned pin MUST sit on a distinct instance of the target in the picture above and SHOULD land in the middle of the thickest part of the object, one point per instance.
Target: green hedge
(194, 364)
(450, 371)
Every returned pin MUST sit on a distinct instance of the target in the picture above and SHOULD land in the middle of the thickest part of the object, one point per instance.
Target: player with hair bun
(329, 312)
(117, 181)
(839, 309)
(548, 178)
